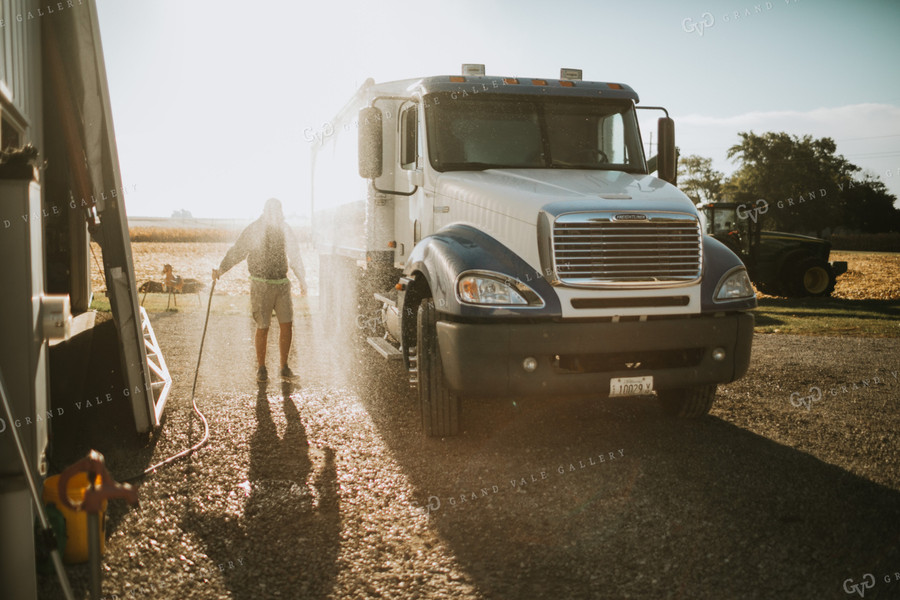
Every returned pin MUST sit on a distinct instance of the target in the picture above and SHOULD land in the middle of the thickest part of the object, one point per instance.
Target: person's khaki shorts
(266, 297)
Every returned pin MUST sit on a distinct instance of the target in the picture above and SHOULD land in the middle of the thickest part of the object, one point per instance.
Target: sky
(213, 101)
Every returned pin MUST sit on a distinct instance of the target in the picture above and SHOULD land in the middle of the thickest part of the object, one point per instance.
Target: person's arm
(292, 250)
(236, 253)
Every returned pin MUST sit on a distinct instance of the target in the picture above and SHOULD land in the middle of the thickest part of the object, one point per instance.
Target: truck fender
(436, 262)
(718, 259)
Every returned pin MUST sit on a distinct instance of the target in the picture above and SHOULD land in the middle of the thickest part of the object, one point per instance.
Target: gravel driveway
(326, 488)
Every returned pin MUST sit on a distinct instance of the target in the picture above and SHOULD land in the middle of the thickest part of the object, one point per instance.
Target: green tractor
(779, 264)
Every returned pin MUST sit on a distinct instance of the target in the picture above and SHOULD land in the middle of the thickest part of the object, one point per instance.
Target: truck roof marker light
(473, 69)
(614, 86)
(566, 83)
(457, 79)
(538, 82)
(510, 81)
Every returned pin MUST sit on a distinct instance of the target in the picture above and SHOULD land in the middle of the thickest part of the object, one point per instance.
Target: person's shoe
(286, 372)
(261, 374)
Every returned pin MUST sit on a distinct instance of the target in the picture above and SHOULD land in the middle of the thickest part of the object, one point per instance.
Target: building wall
(20, 69)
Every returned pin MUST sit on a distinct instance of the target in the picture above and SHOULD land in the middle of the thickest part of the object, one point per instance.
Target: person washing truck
(270, 247)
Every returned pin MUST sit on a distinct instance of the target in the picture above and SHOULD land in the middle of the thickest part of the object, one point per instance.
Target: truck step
(385, 349)
(413, 370)
(386, 300)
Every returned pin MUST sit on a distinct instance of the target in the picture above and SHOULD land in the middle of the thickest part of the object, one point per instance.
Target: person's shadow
(289, 535)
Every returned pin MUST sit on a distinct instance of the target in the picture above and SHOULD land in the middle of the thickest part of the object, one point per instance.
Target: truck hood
(522, 193)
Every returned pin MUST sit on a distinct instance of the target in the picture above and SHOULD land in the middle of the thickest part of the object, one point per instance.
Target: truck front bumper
(581, 357)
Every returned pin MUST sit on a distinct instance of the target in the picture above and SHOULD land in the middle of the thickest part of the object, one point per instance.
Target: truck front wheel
(439, 406)
(688, 403)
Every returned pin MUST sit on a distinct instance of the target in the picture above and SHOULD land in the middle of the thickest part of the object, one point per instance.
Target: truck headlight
(735, 285)
(495, 289)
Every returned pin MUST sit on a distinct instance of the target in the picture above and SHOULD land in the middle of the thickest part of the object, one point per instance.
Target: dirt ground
(324, 487)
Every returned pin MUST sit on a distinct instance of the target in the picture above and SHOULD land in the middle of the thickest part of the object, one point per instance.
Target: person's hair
(272, 210)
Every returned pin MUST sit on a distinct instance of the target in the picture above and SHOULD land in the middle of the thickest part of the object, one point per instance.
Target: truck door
(420, 217)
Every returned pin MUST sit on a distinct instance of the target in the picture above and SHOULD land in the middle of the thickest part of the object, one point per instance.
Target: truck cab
(517, 243)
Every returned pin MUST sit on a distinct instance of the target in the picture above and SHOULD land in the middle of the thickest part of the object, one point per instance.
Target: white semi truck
(511, 237)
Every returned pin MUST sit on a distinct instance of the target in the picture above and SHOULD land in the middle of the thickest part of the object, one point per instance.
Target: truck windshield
(531, 133)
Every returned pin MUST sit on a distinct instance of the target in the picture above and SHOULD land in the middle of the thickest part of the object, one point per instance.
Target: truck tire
(688, 403)
(810, 276)
(439, 406)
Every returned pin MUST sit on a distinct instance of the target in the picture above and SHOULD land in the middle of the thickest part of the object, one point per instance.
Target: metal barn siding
(20, 68)
(23, 351)
(54, 95)
(23, 361)
(20, 88)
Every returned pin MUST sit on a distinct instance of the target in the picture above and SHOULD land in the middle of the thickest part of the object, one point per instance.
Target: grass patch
(100, 303)
(829, 316)
(153, 303)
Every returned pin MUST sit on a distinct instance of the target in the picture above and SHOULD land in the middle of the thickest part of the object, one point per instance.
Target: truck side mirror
(666, 155)
(370, 143)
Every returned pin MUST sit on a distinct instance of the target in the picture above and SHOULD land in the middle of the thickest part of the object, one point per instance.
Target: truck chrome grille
(627, 249)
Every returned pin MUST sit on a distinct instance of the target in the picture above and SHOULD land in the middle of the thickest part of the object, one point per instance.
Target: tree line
(808, 187)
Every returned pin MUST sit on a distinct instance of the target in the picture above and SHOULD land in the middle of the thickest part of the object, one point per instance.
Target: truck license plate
(630, 386)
